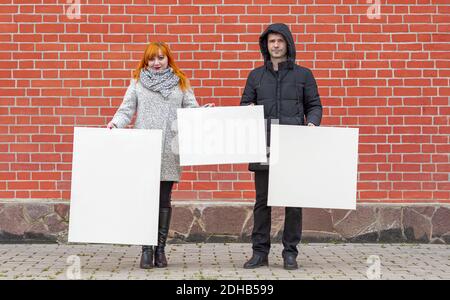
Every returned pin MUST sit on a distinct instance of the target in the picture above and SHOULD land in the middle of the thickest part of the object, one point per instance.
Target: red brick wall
(387, 76)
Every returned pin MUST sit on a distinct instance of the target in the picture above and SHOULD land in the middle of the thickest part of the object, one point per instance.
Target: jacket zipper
(278, 97)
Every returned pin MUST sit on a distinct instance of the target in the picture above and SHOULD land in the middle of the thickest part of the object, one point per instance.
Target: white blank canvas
(313, 167)
(221, 135)
(115, 186)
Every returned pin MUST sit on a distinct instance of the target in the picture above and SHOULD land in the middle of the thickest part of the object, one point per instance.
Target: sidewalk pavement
(224, 261)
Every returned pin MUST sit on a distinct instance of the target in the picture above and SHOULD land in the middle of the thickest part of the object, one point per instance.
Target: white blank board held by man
(221, 135)
(313, 167)
(115, 186)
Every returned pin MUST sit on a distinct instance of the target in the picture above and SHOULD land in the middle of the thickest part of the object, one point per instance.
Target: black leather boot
(163, 232)
(147, 257)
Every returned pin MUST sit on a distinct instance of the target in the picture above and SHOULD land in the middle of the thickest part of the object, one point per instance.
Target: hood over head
(282, 29)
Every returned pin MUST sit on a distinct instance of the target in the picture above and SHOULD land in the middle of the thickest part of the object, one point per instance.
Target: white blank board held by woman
(115, 186)
(221, 135)
(313, 167)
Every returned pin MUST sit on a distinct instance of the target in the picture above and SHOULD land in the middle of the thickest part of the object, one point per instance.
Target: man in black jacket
(289, 94)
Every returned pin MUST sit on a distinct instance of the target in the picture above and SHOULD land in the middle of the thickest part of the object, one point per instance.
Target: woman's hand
(209, 105)
(111, 125)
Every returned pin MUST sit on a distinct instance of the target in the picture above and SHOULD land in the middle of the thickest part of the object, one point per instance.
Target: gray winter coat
(156, 112)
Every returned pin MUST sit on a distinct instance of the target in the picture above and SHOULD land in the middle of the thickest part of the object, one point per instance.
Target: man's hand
(311, 124)
(209, 105)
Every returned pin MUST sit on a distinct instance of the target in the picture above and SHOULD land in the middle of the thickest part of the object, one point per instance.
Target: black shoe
(290, 262)
(146, 257)
(256, 261)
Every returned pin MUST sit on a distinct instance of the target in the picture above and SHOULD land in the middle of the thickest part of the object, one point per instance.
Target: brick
(49, 28)
(205, 185)
(406, 148)
(373, 195)
(184, 10)
(93, 28)
(23, 185)
(184, 195)
(184, 186)
(224, 176)
(24, 147)
(46, 176)
(227, 195)
(46, 194)
(139, 9)
(387, 77)
(46, 158)
(249, 186)
(418, 195)
(407, 186)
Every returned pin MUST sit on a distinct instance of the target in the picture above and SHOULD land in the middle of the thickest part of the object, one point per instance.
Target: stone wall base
(25, 222)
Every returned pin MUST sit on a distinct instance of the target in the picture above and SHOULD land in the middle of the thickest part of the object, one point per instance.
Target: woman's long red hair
(150, 52)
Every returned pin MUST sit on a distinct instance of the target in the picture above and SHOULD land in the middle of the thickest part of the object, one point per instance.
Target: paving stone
(224, 261)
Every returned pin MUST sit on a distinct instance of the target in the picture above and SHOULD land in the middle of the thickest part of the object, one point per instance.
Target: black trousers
(262, 214)
(165, 194)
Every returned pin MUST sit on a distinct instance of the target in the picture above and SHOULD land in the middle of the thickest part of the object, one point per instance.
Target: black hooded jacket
(289, 95)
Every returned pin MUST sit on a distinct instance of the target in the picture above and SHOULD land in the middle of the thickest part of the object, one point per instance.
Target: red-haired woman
(158, 88)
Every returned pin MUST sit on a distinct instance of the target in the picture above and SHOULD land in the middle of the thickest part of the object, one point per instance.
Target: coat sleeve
(249, 94)
(313, 106)
(189, 100)
(128, 107)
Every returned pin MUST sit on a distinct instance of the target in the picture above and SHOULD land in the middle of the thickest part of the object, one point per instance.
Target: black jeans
(262, 214)
(165, 193)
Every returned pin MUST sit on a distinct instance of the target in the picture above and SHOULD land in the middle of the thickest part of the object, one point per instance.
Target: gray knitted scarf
(159, 81)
